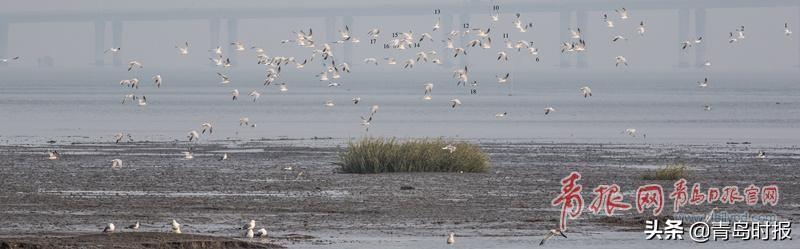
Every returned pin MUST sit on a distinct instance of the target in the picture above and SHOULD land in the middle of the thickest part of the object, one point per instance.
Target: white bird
(225, 79)
(224, 157)
(686, 44)
(623, 13)
(134, 226)
(329, 103)
(238, 46)
(235, 94)
(761, 154)
(451, 239)
(183, 50)
(436, 26)
(356, 100)
(428, 88)
(390, 60)
(109, 228)
(707, 63)
(631, 132)
(250, 225)
(621, 60)
(249, 234)
(409, 64)
(732, 39)
(193, 135)
(157, 80)
(374, 33)
(608, 22)
(450, 147)
(501, 114)
(373, 110)
(112, 50)
(6, 60)
(53, 155)
(334, 84)
(503, 79)
(217, 50)
(176, 227)
(640, 30)
(618, 37)
(261, 232)
(142, 101)
(575, 34)
(707, 107)
(188, 155)
(207, 126)
(455, 102)
(119, 136)
(586, 91)
(502, 55)
(245, 121)
(283, 87)
(255, 94)
(134, 64)
(548, 110)
(703, 83)
(116, 163)
(550, 234)
(371, 61)
(786, 30)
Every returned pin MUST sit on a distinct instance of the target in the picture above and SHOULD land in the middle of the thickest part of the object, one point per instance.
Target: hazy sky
(152, 42)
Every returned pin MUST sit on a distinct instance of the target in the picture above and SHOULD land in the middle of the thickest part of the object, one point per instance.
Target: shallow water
(66, 106)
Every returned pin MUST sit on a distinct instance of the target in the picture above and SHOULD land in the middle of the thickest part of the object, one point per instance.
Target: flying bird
(134, 64)
(193, 135)
(157, 80)
(255, 94)
(6, 60)
(548, 110)
(621, 60)
(207, 126)
(455, 102)
(586, 91)
(550, 234)
(235, 94)
(183, 50)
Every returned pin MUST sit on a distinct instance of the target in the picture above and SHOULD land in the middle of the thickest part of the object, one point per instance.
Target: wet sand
(507, 208)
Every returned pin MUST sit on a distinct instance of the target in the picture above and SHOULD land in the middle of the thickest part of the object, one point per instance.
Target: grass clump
(669, 172)
(380, 155)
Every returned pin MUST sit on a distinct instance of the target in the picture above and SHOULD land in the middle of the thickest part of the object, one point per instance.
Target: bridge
(453, 15)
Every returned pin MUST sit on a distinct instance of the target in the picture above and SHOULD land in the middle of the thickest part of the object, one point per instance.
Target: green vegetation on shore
(380, 155)
(669, 172)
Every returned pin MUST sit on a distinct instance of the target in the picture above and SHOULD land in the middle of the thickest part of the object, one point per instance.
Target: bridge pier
(348, 46)
(99, 42)
(330, 32)
(581, 19)
(683, 34)
(564, 23)
(463, 22)
(445, 26)
(213, 35)
(233, 36)
(700, 30)
(3, 41)
(116, 41)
